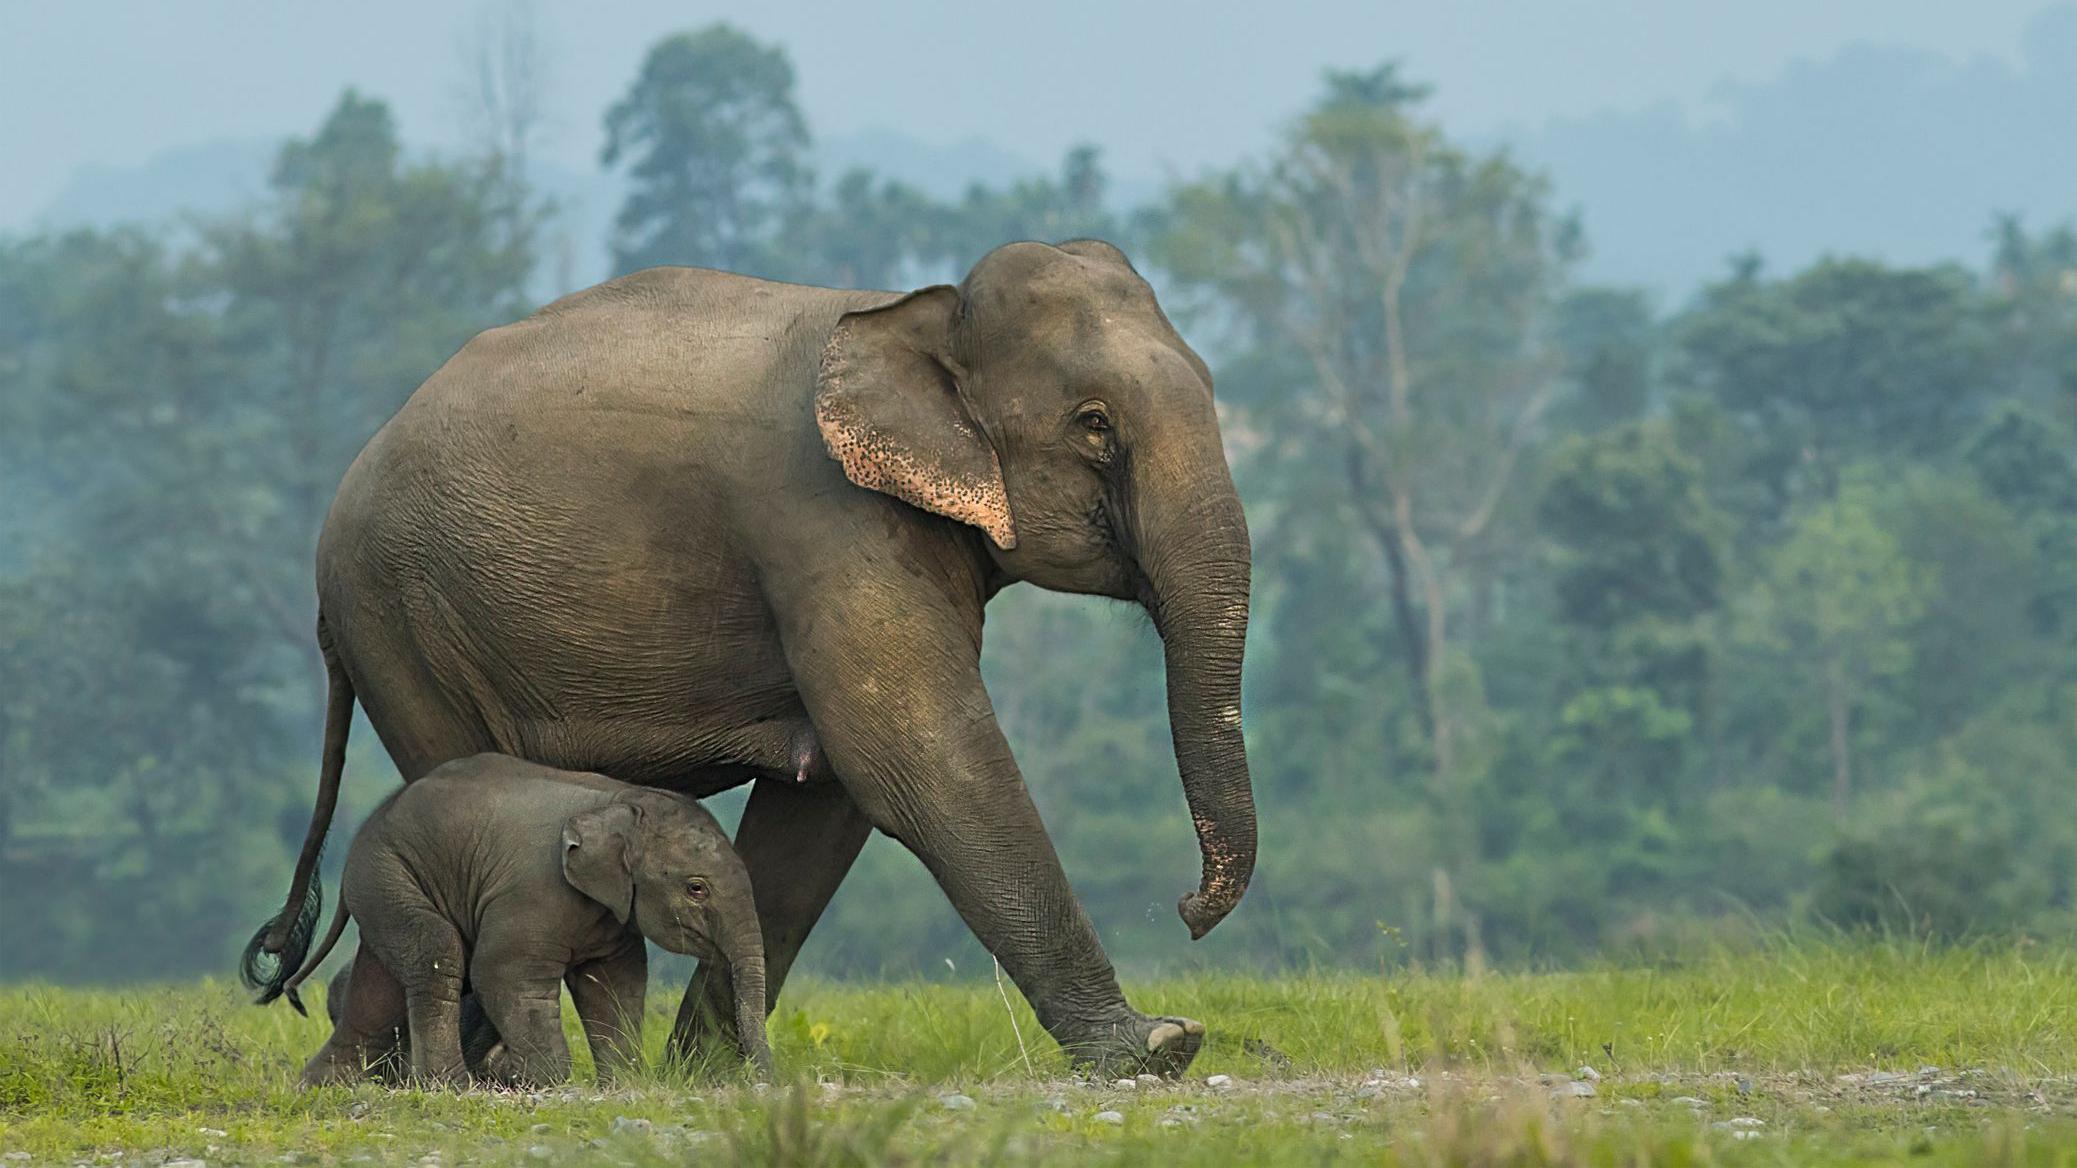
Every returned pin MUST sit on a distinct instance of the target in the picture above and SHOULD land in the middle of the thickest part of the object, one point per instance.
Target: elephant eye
(696, 888)
(1094, 418)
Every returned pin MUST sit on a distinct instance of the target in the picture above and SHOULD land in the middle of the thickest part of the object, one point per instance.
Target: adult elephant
(685, 526)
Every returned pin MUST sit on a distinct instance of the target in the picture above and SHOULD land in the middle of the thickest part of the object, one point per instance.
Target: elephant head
(661, 863)
(1048, 402)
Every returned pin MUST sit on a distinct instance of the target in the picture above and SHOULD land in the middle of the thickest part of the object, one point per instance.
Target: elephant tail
(281, 944)
(340, 916)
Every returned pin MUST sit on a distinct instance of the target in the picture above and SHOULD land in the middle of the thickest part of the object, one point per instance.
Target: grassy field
(1787, 1054)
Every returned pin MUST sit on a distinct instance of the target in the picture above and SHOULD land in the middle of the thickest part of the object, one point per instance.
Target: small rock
(1690, 1101)
(1743, 1123)
(1218, 1080)
(1056, 1103)
(185, 1164)
(1929, 1072)
(1631, 1102)
(1924, 1089)
(1745, 1134)
(540, 1152)
(15, 1156)
(1149, 1080)
(1112, 1117)
(1589, 1074)
(1127, 1084)
(1744, 1086)
(358, 1110)
(539, 1129)
(216, 1132)
(956, 1102)
(1574, 1089)
(623, 1124)
(1170, 1121)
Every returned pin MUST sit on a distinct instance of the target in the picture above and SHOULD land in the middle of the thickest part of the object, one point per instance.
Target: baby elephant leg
(522, 995)
(609, 995)
(366, 1004)
(424, 950)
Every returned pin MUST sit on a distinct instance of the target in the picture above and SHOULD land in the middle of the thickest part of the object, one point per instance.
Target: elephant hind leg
(368, 1018)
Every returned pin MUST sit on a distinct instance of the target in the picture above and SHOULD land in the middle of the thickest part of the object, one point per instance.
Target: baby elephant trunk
(746, 974)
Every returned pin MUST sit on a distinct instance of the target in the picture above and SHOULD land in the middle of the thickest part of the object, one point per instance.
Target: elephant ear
(599, 856)
(888, 403)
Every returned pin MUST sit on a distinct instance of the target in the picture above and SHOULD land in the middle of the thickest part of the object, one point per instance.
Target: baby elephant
(520, 878)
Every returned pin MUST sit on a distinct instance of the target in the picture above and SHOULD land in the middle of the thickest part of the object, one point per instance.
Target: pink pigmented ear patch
(877, 463)
(890, 416)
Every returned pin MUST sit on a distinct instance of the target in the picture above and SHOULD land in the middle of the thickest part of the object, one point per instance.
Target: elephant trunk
(746, 977)
(1194, 556)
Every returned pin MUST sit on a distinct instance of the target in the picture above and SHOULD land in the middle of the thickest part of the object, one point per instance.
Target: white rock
(1109, 1117)
(185, 1164)
(622, 1124)
(956, 1102)
(1574, 1089)
(1690, 1101)
(216, 1132)
(1589, 1074)
(1218, 1081)
(540, 1152)
(1127, 1084)
(1149, 1080)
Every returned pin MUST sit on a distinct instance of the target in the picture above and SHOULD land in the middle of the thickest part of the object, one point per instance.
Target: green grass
(1328, 1068)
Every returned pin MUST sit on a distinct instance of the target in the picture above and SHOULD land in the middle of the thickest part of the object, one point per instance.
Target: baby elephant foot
(1143, 1045)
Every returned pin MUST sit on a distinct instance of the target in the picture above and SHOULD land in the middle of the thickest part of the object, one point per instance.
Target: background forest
(1583, 623)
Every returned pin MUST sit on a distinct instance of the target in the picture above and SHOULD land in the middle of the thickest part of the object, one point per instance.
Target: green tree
(714, 148)
(1832, 607)
(1846, 360)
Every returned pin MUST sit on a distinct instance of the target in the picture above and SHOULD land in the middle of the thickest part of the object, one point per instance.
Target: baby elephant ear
(888, 402)
(599, 856)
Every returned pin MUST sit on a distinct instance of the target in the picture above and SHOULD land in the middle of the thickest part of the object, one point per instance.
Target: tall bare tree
(1413, 283)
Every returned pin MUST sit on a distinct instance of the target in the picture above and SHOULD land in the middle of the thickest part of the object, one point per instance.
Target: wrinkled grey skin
(517, 879)
(386, 1052)
(675, 526)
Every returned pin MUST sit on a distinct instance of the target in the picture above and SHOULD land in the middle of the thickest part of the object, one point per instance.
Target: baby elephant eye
(696, 888)
(1093, 418)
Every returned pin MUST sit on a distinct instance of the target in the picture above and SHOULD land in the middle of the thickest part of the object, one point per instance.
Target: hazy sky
(1159, 86)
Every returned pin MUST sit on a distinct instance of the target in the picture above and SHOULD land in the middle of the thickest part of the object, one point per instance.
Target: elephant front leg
(609, 995)
(521, 990)
(913, 738)
(798, 842)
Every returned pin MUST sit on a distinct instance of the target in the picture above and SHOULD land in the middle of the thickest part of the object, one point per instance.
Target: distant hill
(1899, 154)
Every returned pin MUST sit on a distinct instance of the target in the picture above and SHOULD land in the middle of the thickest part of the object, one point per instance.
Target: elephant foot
(1142, 1045)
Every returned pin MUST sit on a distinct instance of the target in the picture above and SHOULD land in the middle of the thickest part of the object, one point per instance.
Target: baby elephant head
(663, 865)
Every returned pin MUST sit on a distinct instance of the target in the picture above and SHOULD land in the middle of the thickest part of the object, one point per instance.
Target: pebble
(1574, 1089)
(956, 1102)
(216, 1132)
(1589, 1074)
(1218, 1081)
(539, 1129)
(1110, 1117)
(185, 1164)
(623, 1124)
(1690, 1101)
(1149, 1080)
(1127, 1084)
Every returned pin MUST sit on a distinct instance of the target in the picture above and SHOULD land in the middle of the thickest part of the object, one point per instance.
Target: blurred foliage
(1581, 623)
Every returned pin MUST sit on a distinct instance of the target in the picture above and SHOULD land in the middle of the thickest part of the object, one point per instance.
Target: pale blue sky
(1160, 86)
